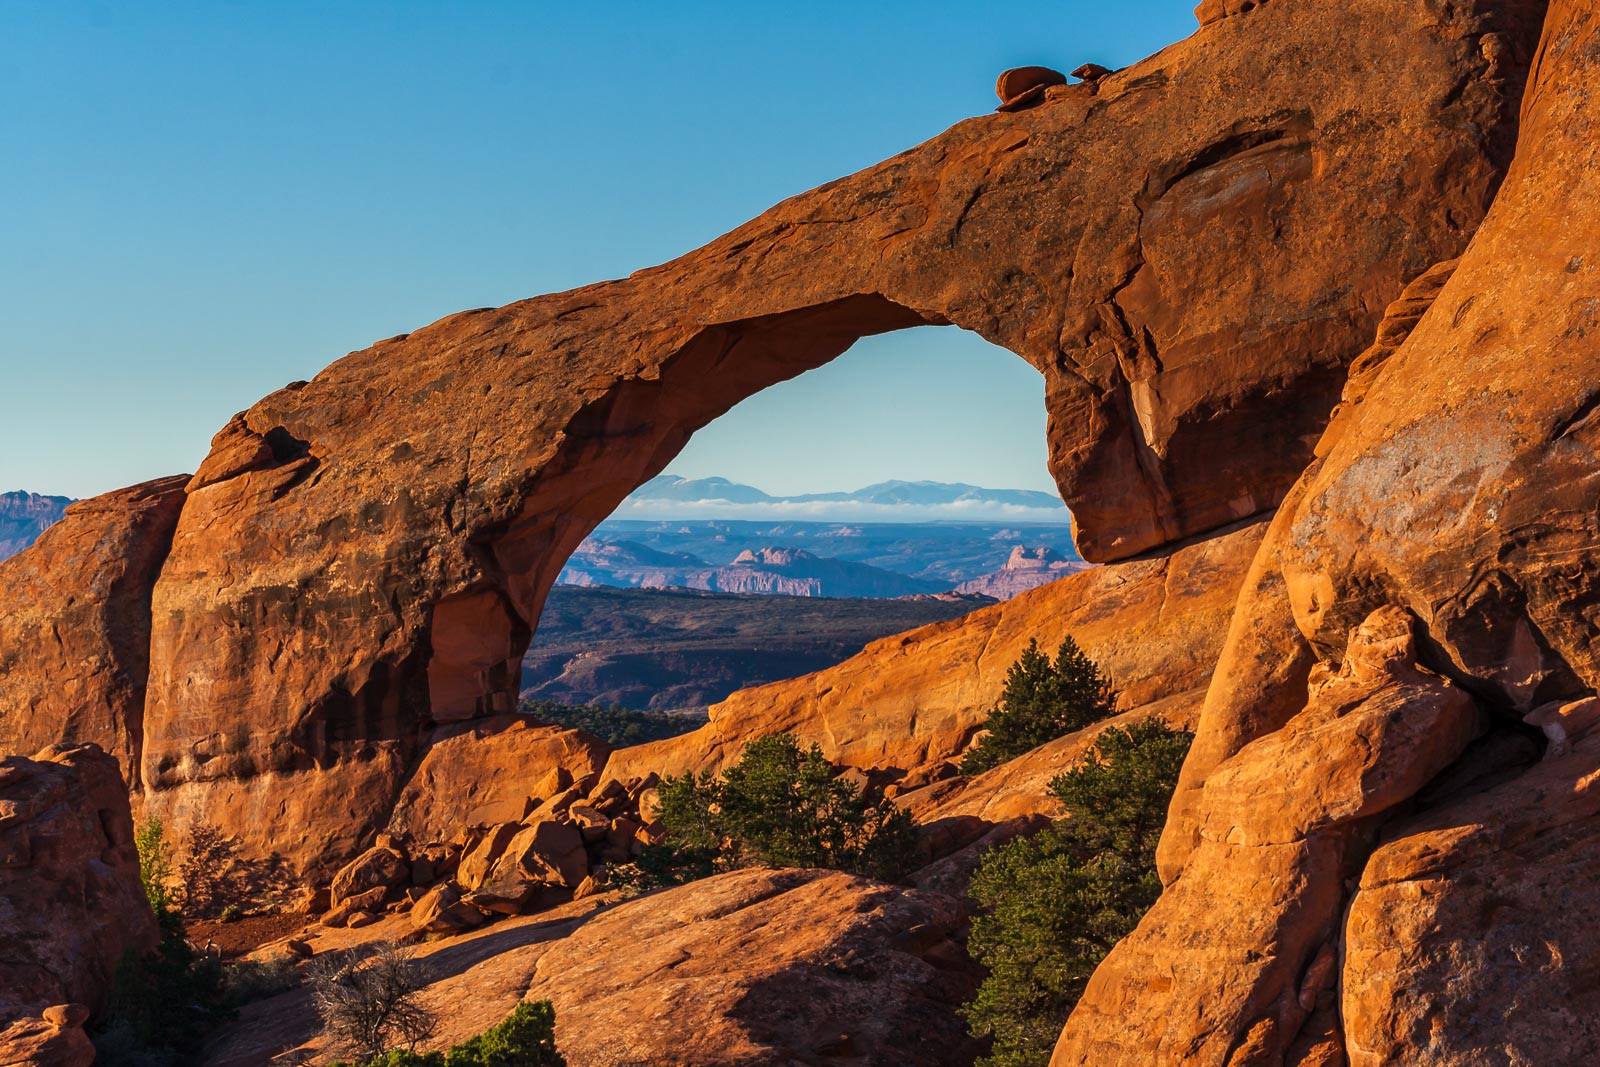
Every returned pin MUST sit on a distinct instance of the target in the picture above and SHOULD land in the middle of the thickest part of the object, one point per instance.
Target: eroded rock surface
(1227, 958)
(1463, 490)
(75, 624)
(753, 967)
(70, 899)
(484, 773)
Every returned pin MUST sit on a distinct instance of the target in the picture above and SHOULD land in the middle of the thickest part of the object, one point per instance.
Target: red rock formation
(1190, 250)
(75, 624)
(70, 898)
(1283, 823)
(912, 701)
(1462, 488)
(484, 773)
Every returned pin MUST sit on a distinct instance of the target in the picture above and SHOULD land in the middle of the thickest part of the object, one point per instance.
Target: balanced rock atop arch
(1189, 250)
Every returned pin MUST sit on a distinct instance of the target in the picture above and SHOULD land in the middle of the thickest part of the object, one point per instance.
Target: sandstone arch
(1190, 250)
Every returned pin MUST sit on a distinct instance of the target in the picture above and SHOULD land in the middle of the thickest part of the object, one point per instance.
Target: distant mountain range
(668, 496)
(868, 556)
(24, 516)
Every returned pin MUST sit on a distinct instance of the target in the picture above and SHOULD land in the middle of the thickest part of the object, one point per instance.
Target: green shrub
(163, 1005)
(616, 725)
(248, 980)
(526, 1038)
(155, 864)
(779, 806)
(1051, 906)
(1041, 701)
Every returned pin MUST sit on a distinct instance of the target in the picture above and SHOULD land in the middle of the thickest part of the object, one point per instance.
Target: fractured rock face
(1282, 826)
(70, 897)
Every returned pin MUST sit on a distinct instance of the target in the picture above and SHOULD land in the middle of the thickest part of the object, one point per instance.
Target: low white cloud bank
(840, 511)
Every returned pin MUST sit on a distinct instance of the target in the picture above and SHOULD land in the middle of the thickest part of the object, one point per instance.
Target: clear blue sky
(203, 201)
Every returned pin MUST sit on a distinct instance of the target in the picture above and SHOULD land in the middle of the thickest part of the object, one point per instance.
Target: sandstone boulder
(479, 859)
(442, 911)
(378, 868)
(42, 1043)
(546, 852)
(70, 898)
(485, 772)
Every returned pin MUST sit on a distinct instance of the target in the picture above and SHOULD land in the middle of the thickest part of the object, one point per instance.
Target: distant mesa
(1028, 568)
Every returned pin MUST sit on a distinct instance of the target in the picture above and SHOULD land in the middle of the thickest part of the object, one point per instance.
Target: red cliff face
(75, 624)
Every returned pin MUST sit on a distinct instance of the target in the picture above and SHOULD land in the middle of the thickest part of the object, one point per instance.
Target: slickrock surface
(70, 898)
(753, 967)
(763, 967)
(1190, 250)
(912, 701)
(75, 624)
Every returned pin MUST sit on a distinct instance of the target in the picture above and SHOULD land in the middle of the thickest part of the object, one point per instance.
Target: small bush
(249, 980)
(1051, 906)
(526, 1038)
(616, 725)
(163, 1005)
(368, 1001)
(1041, 701)
(155, 864)
(779, 806)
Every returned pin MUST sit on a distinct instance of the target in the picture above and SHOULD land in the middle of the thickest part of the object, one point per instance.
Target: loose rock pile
(559, 850)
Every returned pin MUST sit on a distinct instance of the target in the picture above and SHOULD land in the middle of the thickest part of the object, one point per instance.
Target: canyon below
(1315, 298)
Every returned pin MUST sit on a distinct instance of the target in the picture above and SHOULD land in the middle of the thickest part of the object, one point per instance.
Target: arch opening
(616, 444)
